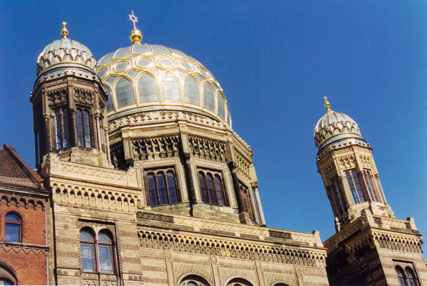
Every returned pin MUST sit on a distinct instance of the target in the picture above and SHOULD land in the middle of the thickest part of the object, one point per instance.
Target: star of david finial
(135, 35)
(133, 19)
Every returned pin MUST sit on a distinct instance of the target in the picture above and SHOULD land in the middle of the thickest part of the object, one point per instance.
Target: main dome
(147, 77)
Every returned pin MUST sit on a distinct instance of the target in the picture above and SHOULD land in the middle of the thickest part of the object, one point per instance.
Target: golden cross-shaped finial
(64, 31)
(327, 104)
(134, 19)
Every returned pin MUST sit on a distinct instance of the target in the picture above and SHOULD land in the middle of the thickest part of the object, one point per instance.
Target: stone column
(258, 201)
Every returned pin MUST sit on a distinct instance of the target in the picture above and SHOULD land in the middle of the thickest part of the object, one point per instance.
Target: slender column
(258, 201)
(233, 169)
(254, 206)
(98, 132)
(107, 145)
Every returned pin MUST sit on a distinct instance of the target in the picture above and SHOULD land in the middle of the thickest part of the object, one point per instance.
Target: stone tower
(371, 246)
(69, 105)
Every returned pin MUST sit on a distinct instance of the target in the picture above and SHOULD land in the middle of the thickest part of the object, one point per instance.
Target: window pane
(86, 236)
(211, 189)
(400, 276)
(410, 277)
(109, 100)
(355, 187)
(152, 190)
(13, 217)
(203, 190)
(173, 196)
(58, 130)
(147, 88)
(104, 238)
(219, 193)
(163, 196)
(106, 259)
(191, 91)
(65, 129)
(88, 257)
(221, 107)
(79, 116)
(209, 101)
(170, 87)
(124, 93)
(13, 232)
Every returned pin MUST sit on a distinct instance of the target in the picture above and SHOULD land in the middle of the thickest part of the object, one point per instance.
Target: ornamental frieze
(155, 148)
(207, 149)
(82, 96)
(57, 97)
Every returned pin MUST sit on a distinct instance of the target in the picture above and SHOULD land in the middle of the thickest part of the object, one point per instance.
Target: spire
(327, 105)
(64, 30)
(135, 35)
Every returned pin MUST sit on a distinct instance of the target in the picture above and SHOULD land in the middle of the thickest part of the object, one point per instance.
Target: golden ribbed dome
(147, 77)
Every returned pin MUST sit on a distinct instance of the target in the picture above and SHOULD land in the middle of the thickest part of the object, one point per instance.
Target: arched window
(62, 133)
(191, 91)
(410, 277)
(209, 97)
(239, 282)
(7, 277)
(147, 88)
(109, 99)
(370, 185)
(13, 227)
(338, 195)
(221, 106)
(105, 250)
(83, 128)
(354, 184)
(211, 189)
(124, 93)
(87, 251)
(170, 87)
(400, 276)
(162, 188)
(96, 255)
(193, 280)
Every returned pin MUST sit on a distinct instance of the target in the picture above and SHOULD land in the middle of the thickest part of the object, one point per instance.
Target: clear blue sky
(275, 61)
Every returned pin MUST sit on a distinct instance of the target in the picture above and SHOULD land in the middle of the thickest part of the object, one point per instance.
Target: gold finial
(327, 104)
(135, 35)
(64, 31)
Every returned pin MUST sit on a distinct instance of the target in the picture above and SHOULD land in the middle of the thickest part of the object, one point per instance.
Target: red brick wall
(27, 262)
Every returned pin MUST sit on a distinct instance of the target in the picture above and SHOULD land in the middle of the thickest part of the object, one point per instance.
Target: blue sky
(275, 61)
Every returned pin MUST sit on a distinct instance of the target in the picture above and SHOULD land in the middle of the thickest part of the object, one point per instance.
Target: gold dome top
(135, 35)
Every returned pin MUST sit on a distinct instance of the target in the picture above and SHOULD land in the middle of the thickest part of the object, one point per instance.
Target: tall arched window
(83, 128)
(105, 250)
(13, 227)
(191, 91)
(96, 255)
(124, 93)
(400, 276)
(211, 189)
(410, 277)
(354, 184)
(62, 133)
(87, 251)
(246, 200)
(209, 97)
(338, 195)
(162, 188)
(370, 185)
(147, 88)
(170, 87)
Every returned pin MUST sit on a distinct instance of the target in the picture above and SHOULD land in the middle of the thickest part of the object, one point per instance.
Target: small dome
(63, 51)
(153, 77)
(335, 126)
